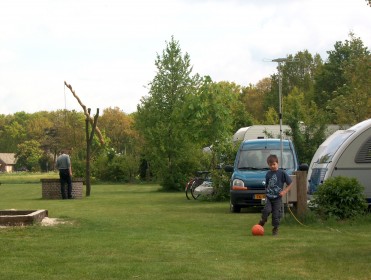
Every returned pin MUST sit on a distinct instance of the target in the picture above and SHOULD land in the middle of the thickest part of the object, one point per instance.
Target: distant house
(7, 162)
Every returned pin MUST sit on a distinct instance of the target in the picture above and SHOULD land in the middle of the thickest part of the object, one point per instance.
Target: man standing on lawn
(63, 164)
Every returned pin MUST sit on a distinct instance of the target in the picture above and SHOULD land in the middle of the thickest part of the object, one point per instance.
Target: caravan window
(329, 151)
(364, 153)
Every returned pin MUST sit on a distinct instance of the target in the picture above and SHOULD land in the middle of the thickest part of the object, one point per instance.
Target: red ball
(257, 230)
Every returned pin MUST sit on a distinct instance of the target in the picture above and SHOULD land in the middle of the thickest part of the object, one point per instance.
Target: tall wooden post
(89, 136)
(89, 141)
(301, 185)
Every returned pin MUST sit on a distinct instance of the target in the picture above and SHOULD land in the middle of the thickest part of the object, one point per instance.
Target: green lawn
(136, 232)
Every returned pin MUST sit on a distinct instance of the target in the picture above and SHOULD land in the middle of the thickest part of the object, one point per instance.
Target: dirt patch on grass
(52, 222)
(47, 222)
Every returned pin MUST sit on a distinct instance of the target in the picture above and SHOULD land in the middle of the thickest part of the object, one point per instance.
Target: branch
(91, 120)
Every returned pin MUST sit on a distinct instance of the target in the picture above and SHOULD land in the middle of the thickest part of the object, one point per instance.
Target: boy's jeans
(272, 206)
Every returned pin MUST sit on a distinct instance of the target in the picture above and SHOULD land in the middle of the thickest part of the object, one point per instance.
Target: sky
(106, 49)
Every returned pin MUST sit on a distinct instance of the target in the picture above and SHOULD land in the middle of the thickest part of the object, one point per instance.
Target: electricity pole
(280, 61)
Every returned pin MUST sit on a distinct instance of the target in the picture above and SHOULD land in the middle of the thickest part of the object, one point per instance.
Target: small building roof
(8, 158)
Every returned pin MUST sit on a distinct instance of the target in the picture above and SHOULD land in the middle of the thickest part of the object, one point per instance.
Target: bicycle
(199, 185)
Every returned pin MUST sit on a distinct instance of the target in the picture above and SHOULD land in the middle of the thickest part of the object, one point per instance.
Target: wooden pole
(87, 114)
(89, 142)
(87, 168)
(301, 185)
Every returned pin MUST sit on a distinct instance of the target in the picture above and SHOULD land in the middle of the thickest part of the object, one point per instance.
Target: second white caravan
(344, 153)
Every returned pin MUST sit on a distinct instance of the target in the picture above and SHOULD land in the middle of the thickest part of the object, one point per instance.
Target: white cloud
(106, 48)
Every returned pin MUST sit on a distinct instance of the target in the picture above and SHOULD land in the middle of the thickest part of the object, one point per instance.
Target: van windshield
(329, 151)
(257, 159)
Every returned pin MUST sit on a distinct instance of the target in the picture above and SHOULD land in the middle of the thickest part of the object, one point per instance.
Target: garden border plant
(340, 198)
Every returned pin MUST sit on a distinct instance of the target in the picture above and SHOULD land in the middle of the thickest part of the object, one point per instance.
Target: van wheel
(234, 208)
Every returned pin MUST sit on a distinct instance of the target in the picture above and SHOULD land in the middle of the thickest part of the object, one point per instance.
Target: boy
(275, 180)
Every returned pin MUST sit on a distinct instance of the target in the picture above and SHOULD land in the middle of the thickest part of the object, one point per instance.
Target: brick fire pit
(21, 217)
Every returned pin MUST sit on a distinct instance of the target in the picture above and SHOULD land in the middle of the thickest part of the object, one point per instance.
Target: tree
(28, 155)
(307, 124)
(251, 98)
(159, 118)
(299, 72)
(353, 104)
(13, 131)
(342, 75)
(215, 112)
(121, 159)
(119, 128)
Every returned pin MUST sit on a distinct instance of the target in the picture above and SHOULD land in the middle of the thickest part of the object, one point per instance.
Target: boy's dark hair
(272, 159)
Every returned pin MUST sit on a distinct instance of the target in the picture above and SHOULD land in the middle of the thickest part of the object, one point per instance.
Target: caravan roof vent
(364, 153)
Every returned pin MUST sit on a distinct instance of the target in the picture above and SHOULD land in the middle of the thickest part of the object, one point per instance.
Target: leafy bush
(115, 168)
(340, 198)
(220, 181)
(223, 153)
(78, 168)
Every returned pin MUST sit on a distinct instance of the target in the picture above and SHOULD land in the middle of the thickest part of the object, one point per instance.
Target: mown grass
(136, 232)
(25, 177)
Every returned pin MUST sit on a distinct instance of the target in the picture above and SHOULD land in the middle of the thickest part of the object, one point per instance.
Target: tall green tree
(307, 122)
(353, 102)
(159, 118)
(340, 80)
(299, 72)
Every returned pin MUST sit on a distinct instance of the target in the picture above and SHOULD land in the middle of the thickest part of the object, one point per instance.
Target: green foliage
(223, 153)
(340, 198)
(157, 118)
(341, 78)
(251, 108)
(78, 167)
(114, 167)
(118, 127)
(29, 155)
(184, 114)
(308, 133)
(211, 112)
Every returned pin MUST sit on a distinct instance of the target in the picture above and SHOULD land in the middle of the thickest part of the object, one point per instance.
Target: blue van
(247, 184)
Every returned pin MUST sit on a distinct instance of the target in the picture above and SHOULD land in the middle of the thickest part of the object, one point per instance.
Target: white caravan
(345, 153)
(261, 132)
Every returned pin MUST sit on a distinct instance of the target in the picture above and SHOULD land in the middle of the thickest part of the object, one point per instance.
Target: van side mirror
(228, 168)
(303, 167)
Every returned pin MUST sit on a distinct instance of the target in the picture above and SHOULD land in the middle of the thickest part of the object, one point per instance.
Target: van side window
(364, 153)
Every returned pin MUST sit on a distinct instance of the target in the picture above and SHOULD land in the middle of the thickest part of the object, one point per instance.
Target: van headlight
(238, 185)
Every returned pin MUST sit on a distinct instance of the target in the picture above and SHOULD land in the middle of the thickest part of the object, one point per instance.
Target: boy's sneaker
(261, 223)
(275, 231)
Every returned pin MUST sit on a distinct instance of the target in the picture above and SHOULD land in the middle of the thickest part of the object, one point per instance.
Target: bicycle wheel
(194, 185)
(188, 189)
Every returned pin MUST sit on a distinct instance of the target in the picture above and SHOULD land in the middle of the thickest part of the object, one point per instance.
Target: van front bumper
(247, 198)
